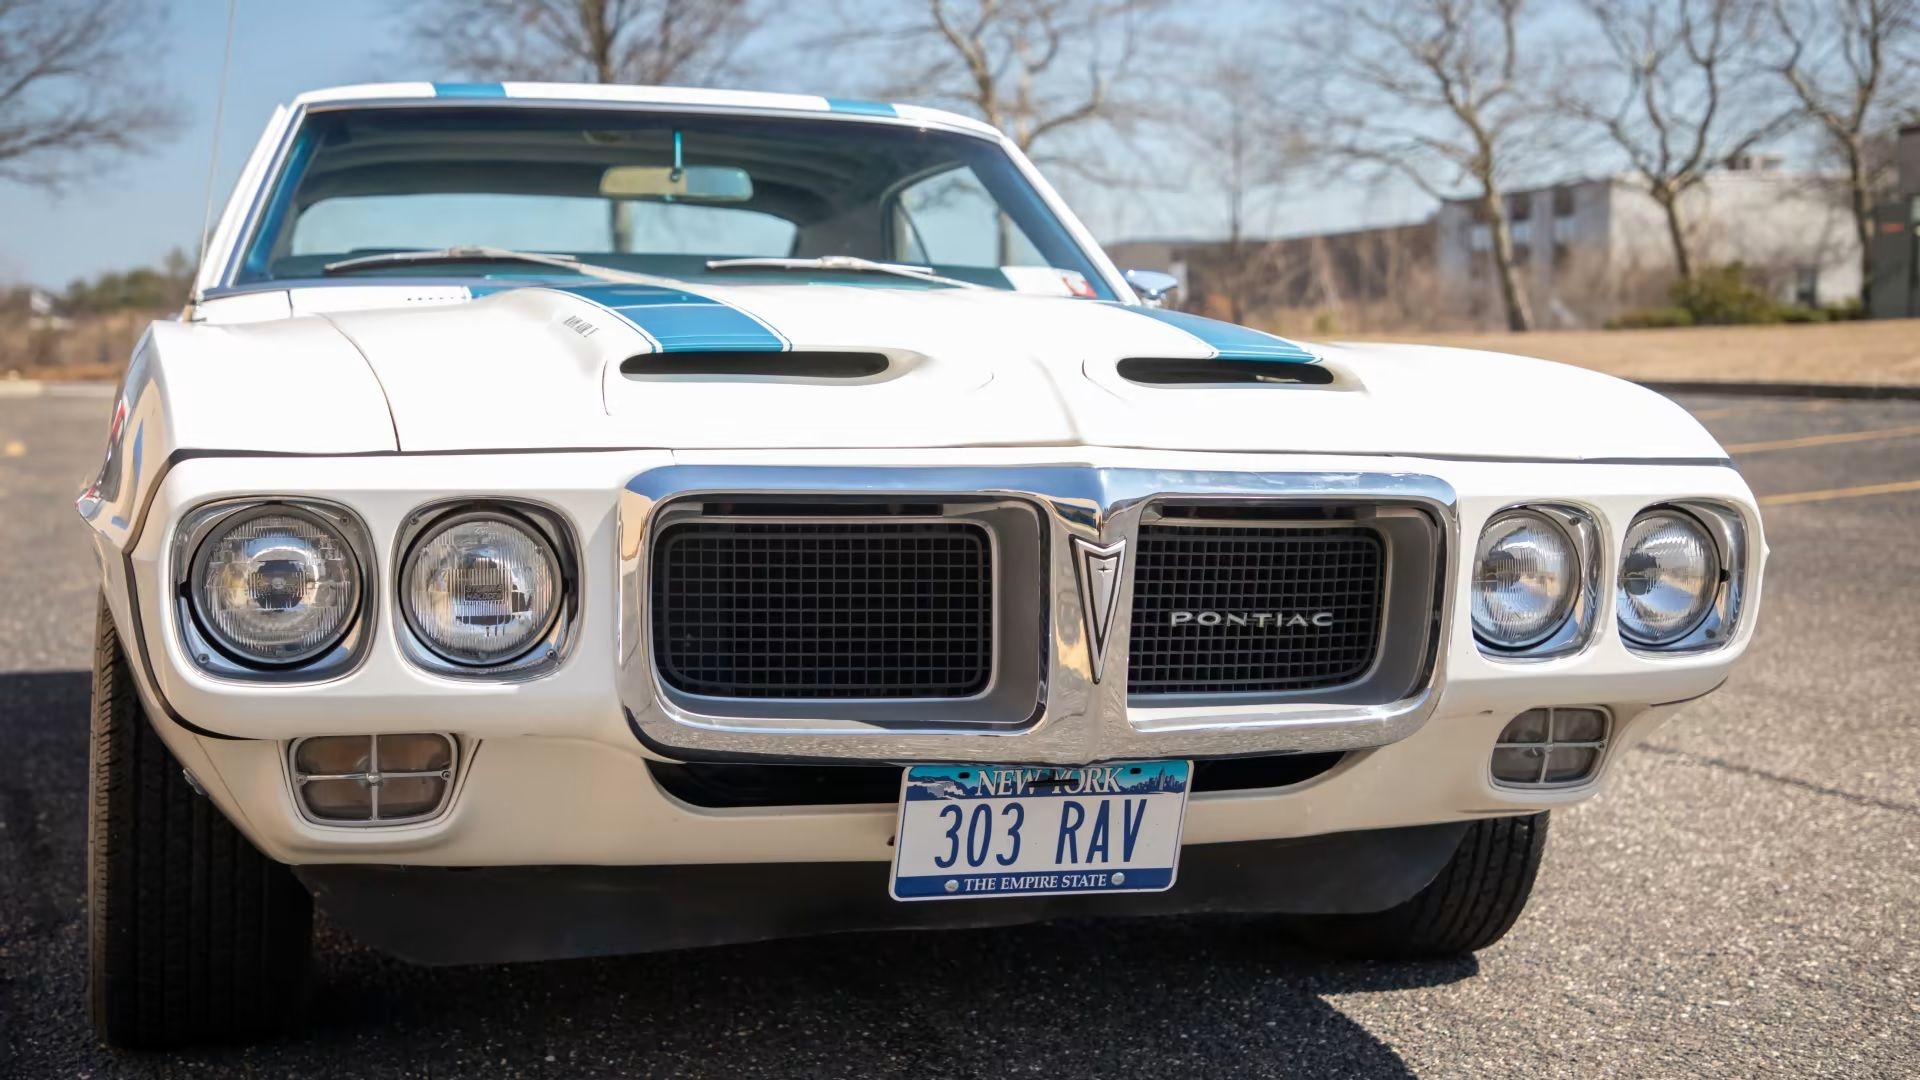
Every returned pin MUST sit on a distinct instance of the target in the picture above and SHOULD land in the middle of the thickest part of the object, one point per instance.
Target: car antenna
(213, 159)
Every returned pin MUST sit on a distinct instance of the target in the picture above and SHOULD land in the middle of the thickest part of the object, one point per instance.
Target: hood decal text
(676, 320)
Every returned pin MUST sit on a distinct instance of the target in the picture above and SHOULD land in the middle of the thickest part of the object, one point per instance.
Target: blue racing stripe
(1229, 341)
(469, 89)
(680, 321)
(864, 108)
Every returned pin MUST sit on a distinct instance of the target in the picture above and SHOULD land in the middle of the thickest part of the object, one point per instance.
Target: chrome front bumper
(1081, 711)
(552, 772)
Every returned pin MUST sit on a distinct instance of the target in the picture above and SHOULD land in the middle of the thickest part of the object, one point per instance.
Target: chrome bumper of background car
(1080, 710)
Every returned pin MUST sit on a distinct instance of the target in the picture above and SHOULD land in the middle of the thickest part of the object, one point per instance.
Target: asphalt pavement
(1743, 900)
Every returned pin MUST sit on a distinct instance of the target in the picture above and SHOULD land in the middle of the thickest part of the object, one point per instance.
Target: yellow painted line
(1763, 407)
(1840, 493)
(15, 448)
(1906, 432)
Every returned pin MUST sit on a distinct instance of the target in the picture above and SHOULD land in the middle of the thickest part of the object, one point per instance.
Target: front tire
(1469, 905)
(193, 934)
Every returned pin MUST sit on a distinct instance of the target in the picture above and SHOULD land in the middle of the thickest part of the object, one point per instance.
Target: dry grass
(83, 347)
(1871, 352)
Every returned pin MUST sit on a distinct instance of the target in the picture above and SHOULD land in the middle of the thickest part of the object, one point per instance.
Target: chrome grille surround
(1047, 706)
(1013, 540)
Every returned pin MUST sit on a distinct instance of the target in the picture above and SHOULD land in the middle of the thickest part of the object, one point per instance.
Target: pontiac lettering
(1265, 620)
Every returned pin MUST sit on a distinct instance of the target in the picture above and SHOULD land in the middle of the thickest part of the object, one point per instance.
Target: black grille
(790, 610)
(1248, 589)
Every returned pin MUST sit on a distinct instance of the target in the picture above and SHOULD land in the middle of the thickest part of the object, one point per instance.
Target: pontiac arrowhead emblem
(1098, 569)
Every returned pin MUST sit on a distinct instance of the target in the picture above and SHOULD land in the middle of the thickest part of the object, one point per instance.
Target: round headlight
(481, 589)
(1669, 575)
(275, 585)
(1526, 574)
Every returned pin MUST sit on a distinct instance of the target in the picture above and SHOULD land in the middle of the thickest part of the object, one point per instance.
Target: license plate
(976, 831)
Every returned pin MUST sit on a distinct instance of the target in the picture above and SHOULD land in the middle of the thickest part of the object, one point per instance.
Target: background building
(1896, 241)
(1587, 250)
(1346, 280)
(1591, 249)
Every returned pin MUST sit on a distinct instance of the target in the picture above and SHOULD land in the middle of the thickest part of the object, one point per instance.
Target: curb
(1739, 388)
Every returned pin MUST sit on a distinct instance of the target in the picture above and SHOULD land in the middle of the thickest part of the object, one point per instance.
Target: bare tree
(72, 91)
(1245, 154)
(1680, 94)
(1032, 68)
(1048, 73)
(1433, 91)
(1843, 61)
(646, 42)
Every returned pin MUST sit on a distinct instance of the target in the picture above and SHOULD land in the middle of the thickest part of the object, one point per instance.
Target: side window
(950, 219)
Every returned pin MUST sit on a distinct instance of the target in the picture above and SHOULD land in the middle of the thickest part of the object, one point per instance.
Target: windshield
(658, 194)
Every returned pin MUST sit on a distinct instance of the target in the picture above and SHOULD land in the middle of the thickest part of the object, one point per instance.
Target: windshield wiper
(845, 264)
(480, 253)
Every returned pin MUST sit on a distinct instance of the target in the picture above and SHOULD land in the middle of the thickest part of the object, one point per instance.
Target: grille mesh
(792, 610)
(1250, 570)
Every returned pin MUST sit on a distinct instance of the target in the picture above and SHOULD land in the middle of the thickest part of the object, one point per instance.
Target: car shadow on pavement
(1225, 996)
(1229, 996)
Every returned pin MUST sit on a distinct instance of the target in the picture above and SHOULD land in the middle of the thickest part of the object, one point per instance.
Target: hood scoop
(783, 366)
(1216, 372)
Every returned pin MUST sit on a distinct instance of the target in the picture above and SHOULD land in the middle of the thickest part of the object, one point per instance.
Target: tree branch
(71, 90)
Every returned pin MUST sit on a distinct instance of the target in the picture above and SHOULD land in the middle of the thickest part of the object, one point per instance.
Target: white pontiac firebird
(576, 520)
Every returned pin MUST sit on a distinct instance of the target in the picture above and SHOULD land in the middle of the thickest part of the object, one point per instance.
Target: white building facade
(1591, 249)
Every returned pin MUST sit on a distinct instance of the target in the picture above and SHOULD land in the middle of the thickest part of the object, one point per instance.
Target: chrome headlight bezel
(1726, 530)
(1574, 632)
(547, 651)
(210, 653)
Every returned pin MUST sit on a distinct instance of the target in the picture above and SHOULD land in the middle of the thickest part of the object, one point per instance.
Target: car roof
(736, 100)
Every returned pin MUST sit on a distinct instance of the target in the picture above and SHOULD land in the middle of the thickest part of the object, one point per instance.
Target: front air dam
(441, 915)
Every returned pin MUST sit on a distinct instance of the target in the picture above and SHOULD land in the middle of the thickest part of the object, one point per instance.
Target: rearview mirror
(1152, 285)
(694, 183)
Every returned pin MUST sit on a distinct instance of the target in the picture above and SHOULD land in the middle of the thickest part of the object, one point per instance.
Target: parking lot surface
(1744, 899)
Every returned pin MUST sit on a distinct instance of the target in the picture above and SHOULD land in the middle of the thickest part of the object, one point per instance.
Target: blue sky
(139, 208)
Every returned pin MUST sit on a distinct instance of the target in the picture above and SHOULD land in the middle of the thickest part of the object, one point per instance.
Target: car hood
(739, 367)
